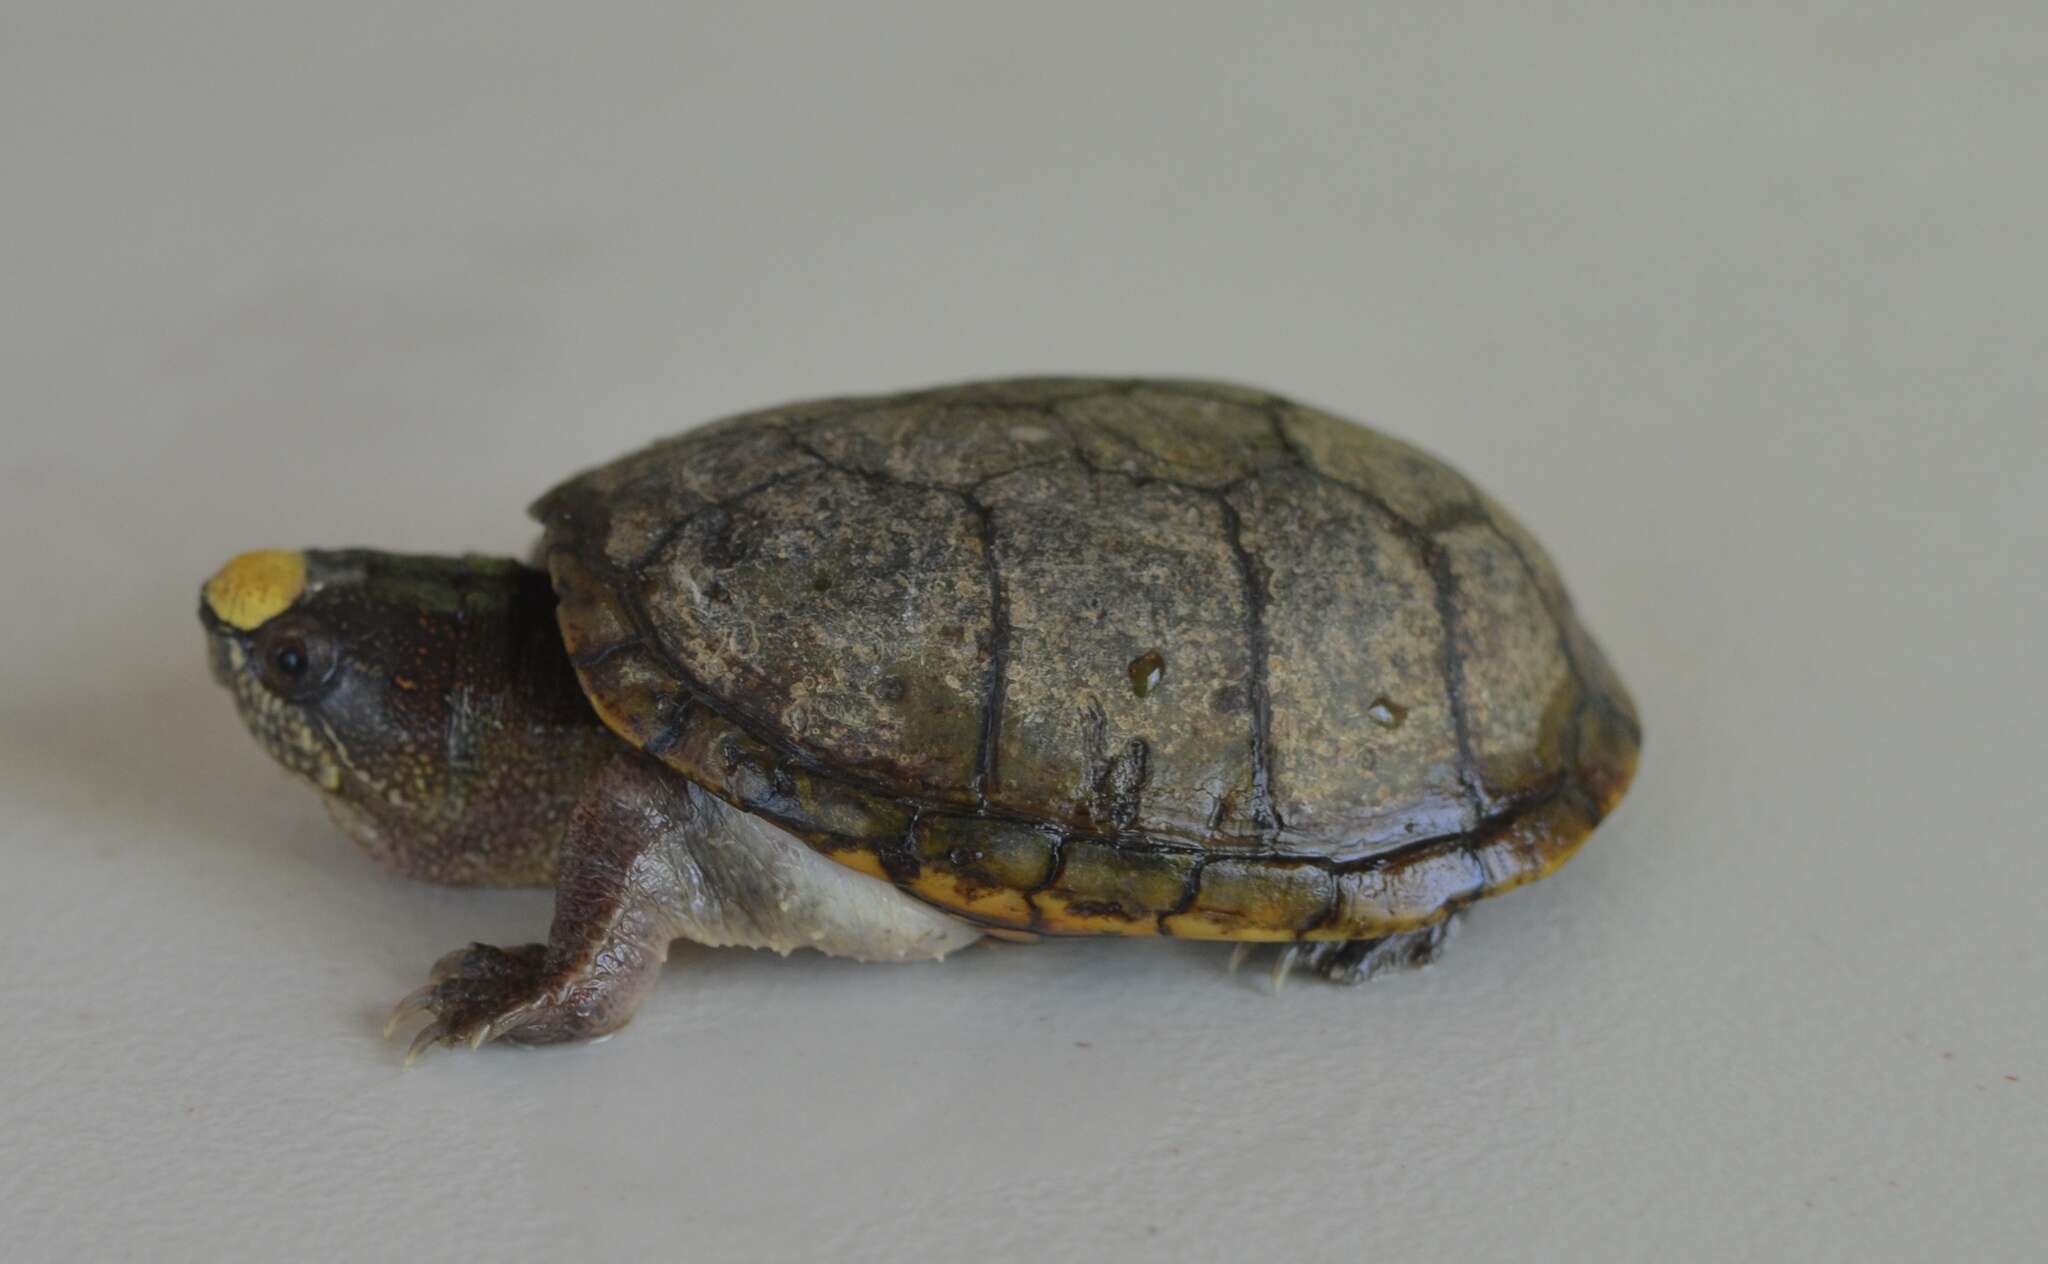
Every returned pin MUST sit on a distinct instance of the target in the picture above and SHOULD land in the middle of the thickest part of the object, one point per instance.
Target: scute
(907, 628)
(1364, 739)
(1099, 572)
(846, 615)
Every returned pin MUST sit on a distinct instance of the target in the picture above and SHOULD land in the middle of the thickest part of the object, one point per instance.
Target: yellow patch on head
(256, 587)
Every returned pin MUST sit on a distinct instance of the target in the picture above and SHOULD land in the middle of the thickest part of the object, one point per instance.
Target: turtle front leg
(614, 892)
(649, 858)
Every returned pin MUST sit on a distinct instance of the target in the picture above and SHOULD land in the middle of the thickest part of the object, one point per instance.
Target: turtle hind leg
(1356, 960)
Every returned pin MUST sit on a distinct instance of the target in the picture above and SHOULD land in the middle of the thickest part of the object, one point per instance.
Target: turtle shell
(1080, 656)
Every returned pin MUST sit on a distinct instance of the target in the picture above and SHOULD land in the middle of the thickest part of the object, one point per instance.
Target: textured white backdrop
(1739, 306)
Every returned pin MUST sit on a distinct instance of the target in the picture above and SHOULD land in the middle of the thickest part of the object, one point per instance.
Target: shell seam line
(1436, 563)
(995, 690)
(1264, 814)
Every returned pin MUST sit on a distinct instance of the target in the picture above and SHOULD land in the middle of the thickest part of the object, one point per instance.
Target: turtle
(884, 676)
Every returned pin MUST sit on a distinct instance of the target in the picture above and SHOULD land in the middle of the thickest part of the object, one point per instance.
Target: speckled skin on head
(1052, 656)
(436, 713)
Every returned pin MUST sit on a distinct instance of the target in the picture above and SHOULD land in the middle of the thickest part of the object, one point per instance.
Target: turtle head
(341, 663)
(422, 696)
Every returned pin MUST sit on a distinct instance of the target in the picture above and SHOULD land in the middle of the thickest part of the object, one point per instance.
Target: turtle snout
(219, 650)
(218, 662)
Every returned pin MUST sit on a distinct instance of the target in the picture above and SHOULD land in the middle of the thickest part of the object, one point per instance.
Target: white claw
(1285, 966)
(430, 1035)
(1238, 953)
(417, 1001)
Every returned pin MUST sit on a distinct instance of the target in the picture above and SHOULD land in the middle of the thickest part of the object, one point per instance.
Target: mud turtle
(880, 676)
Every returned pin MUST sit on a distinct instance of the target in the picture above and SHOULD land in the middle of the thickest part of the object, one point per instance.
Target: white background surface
(1739, 306)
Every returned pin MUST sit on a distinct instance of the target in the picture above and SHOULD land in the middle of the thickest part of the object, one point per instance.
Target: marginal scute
(1606, 753)
(635, 694)
(592, 620)
(864, 860)
(1251, 899)
(1408, 892)
(990, 853)
(904, 628)
(990, 906)
(1104, 888)
(1530, 845)
(755, 776)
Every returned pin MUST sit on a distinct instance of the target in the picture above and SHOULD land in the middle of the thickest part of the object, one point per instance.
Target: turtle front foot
(616, 893)
(481, 993)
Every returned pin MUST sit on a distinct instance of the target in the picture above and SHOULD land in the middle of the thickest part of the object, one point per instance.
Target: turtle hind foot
(1352, 960)
(1356, 960)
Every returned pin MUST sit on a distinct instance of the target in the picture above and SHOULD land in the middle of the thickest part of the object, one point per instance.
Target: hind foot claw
(1355, 960)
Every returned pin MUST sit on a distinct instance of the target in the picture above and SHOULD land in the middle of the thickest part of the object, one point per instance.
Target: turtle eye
(295, 657)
